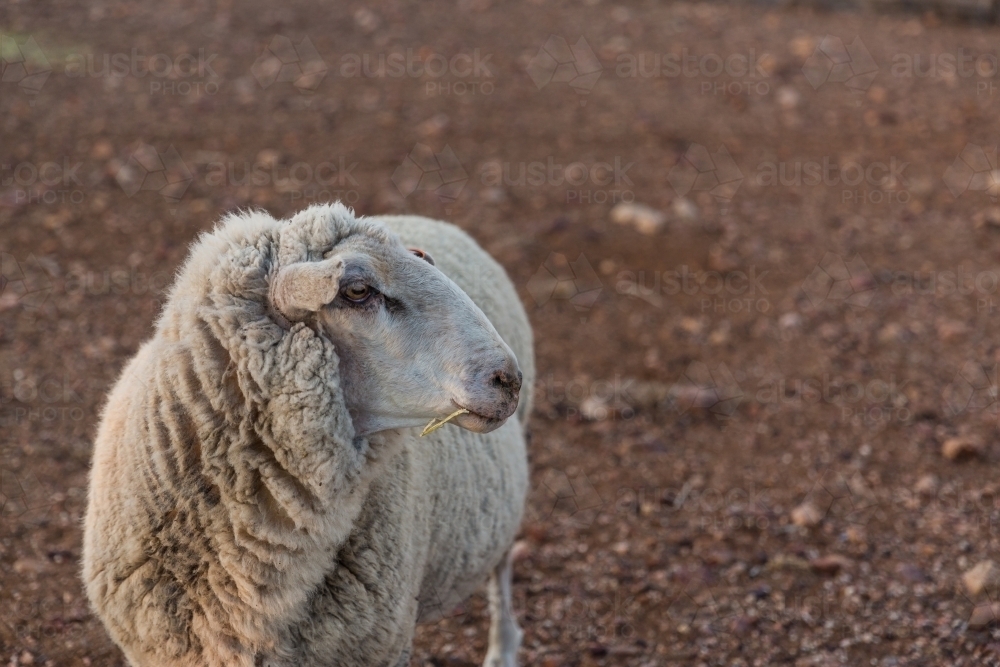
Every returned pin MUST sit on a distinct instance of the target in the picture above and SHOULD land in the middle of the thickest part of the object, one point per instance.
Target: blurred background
(758, 244)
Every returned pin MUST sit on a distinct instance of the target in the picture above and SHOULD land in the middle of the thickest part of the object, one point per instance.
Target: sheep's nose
(507, 380)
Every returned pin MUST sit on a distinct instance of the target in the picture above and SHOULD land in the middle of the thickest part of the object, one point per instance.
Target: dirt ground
(765, 429)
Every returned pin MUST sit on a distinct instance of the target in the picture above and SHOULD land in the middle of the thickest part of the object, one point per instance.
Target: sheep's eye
(357, 292)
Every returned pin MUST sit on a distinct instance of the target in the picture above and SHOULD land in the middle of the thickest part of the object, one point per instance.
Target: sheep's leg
(505, 634)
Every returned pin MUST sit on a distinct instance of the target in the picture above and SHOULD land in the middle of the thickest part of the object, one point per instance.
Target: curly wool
(235, 519)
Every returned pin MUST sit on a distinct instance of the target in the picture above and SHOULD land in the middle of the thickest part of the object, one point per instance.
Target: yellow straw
(435, 424)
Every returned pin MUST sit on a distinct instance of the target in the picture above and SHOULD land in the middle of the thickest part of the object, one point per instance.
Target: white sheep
(259, 492)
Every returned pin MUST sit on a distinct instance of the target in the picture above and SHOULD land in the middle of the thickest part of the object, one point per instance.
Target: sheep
(259, 494)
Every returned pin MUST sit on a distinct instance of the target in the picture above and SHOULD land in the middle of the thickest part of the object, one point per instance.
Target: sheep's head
(412, 345)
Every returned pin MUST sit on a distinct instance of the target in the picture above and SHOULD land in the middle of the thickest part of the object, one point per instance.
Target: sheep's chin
(477, 423)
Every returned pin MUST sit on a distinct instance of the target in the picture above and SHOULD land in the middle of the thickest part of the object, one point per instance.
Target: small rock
(719, 337)
(26, 658)
(366, 20)
(29, 565)
(949, 330)
(594, 409)
(787, 562)
(926, 485)
(829, 565)
(269, 158)
(890, 333)
(955, 449)
(790, 321)
(985, 614)
(990, 217)
(806, 515)
(648, 395)
(685, 209)
(911, 573)
(985, 575)
(520, 551)
(877, 94)
(644, 219)
(598, 650)
(102, 149)
(788, 98)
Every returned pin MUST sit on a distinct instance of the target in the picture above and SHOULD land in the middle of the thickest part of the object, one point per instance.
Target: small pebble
(955, 449)
(806, 515)
(985, 575)
(644, 219)
(685, 209)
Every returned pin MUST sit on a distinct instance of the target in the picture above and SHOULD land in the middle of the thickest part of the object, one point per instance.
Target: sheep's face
(412, 345)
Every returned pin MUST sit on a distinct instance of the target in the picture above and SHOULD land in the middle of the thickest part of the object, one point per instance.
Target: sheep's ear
(305, 287)
(422, 254)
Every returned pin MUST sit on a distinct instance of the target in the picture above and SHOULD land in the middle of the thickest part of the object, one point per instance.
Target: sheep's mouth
(478, 423)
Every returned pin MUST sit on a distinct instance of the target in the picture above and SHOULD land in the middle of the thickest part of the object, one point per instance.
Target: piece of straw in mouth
(435, 424)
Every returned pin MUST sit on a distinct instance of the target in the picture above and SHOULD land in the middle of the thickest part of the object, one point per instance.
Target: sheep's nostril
(507, 381)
